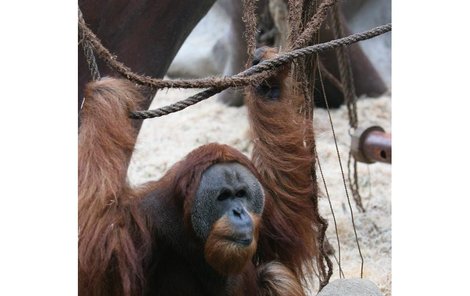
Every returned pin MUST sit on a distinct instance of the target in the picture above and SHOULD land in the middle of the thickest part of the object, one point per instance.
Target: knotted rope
(260, 71)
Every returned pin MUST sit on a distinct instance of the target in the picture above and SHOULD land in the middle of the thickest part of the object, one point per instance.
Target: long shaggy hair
(284, 159)
(111, 230)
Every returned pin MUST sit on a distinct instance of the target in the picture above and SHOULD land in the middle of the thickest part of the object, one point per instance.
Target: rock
(350, 287)
(363, 15)
(195, 59)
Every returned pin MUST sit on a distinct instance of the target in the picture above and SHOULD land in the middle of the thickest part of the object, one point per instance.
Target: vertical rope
(354, 182)
(89, 55)
(249, 19)
(325, 272)
(349, 92)
(345, 69)
(295, 11)
(313, 25)
(338, 260)
(344, 180)
(88, 52)
(305, 80)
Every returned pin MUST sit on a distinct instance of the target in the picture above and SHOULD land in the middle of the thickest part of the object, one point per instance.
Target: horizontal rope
(261, 71)
(241, 79)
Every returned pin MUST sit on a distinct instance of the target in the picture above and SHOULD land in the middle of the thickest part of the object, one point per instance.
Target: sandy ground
(163, 141)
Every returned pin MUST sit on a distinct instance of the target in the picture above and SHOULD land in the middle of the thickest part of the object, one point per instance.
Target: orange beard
(225, 256)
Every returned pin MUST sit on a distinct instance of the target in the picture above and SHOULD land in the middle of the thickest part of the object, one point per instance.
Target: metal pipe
(378, 146)
(372, 144)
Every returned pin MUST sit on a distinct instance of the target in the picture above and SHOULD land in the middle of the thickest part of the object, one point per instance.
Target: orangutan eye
(225, 194)
(240, 193)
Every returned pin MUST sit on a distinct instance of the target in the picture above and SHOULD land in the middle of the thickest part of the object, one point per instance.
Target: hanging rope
(313, 26)
(263, 69)
(345, 70)
(88, 50)
(306, 24)
(349, 92)
(89, 55)
(344, 180)
(294, 13)
(249, 19)
(333, 215)
(238, 80)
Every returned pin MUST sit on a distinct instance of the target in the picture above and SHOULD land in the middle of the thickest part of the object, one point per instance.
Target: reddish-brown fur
(284, 161)
(276, 279)
(116, 239)
(225, 256)
(112, 234)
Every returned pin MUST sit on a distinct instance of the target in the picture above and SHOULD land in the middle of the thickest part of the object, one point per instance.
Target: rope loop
(261, 71)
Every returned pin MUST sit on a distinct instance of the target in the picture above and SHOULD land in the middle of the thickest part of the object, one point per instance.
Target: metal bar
(372, 144)
(377, 146)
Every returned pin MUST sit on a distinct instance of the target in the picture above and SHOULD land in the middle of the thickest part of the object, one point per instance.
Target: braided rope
(178, 106)
(238, 80)
(349, 93)
(314, 24)
(88, 51)
(345, 70)
(249, 19)
(260, 71)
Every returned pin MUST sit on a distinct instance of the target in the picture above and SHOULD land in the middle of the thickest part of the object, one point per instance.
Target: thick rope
(89, 55)
(305, 82)
(225, 82)
(313, 26)
(113, 63)
(266, 67)
(249, 19)
(178, 106)
(295, 12)
(349, 92)
(88, 51)
(345, 70)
